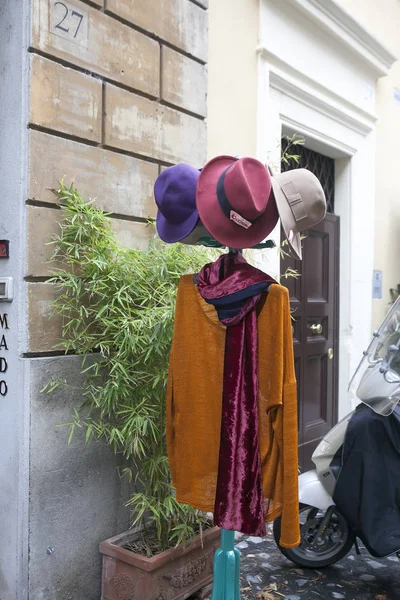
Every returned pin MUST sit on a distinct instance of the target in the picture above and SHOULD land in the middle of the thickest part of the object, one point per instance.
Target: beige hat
(301, 203)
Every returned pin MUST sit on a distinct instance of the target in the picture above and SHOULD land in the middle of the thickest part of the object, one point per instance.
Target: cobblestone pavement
(267, 575)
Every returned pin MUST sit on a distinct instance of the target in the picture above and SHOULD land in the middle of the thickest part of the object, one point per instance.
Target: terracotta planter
(172, 575)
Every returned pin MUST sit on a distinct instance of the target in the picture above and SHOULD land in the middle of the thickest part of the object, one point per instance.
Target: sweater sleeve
(290, 529)
(170, 416)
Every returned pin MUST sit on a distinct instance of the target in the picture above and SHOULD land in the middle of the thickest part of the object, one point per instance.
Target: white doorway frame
(317, 74)
(290, 101)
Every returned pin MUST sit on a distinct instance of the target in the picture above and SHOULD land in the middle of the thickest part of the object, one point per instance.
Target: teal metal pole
(226, 580)
(226, 583)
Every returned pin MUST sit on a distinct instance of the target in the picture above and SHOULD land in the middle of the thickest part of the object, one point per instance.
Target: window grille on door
(322, 166)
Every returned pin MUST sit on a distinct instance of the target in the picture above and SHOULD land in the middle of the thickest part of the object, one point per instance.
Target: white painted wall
(321, 83)
(387, 211)
(14, 407)
(383, 19)
(232, 77)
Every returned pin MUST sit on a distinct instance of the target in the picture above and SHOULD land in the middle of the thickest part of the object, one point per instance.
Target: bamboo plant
(117, 307)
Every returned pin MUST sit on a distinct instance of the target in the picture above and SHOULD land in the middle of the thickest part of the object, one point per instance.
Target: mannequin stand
(226, 584)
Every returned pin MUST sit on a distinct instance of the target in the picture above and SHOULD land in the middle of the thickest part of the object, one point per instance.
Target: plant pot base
(174, 574)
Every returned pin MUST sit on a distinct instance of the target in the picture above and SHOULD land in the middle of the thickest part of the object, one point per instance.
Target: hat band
(227, 207)
(295, 201)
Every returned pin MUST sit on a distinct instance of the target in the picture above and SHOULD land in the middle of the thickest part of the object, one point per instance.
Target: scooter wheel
(336, 543)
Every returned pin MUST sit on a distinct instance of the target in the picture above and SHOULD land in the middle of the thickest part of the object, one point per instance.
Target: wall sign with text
(3, 355)
(377, 285)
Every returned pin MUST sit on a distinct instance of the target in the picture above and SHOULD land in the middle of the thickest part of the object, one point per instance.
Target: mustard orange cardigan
(194, 401)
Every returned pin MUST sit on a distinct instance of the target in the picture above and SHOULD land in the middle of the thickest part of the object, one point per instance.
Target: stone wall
(117, 92)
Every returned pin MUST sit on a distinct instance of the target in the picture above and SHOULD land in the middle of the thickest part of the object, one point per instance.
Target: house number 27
(69, 20)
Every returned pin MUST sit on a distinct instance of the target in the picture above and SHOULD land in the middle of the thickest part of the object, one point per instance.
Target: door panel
(317, 253)
(315, 385)
(314, 303)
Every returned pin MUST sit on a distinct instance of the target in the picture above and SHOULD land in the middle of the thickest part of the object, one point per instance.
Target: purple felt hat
(175, 196)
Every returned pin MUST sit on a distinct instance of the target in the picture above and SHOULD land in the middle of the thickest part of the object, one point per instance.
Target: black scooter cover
(368, 487)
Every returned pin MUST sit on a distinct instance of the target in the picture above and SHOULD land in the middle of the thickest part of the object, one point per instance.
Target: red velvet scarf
(235, 287)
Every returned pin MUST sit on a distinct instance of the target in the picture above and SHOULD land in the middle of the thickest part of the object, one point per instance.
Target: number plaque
(69, 22)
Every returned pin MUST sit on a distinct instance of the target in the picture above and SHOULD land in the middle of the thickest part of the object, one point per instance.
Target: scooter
(326, 537)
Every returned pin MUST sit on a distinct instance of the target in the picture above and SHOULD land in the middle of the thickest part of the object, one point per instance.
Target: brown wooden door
(314, 302)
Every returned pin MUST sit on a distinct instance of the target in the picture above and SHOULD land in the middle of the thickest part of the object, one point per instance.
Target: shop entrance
(314, 299)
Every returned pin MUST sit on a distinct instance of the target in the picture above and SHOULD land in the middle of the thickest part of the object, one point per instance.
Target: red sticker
(4, 249)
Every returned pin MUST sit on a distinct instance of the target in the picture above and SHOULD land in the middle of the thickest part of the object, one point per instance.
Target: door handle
(316, 328)
(330, 353)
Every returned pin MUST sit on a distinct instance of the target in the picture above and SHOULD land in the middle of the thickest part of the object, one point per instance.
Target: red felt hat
(234, 201)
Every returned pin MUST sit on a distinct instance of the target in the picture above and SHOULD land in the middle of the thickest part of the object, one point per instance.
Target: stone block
(120, 184)
(132, 235)
(184, 82)
(65, 100)
(76, 497)
(45, 329)
(84, 36)
(43, 225)
(145, 127)
(179, 22)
